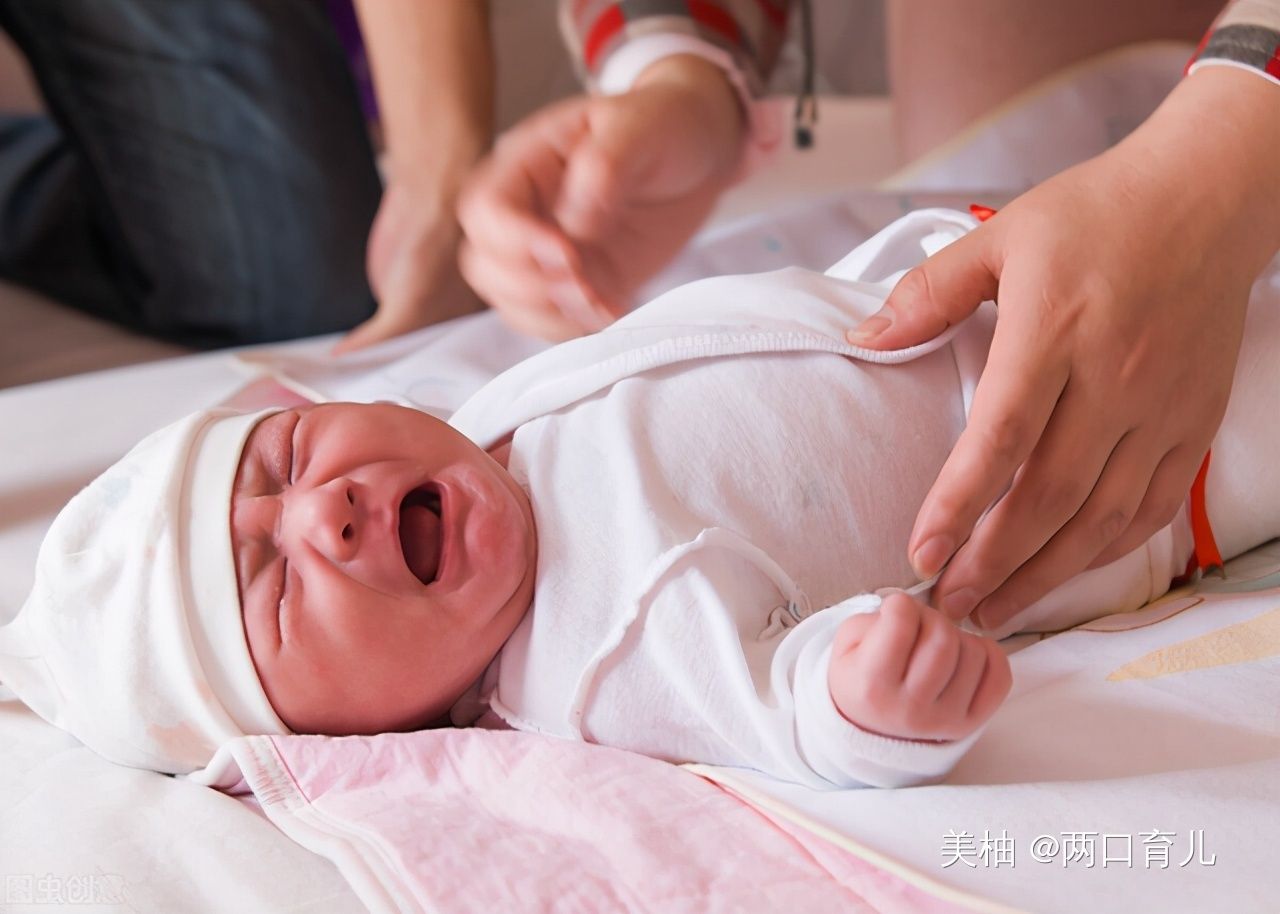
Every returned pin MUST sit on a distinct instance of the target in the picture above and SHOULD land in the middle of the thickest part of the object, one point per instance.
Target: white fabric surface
(1163, 719)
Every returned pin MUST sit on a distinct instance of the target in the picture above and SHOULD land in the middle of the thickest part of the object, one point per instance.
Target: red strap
(1206, 557)
(980, 212)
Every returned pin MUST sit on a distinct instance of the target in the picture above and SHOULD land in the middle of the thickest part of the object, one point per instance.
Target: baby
(660, 538)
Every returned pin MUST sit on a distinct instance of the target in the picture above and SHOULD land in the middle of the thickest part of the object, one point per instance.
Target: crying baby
(666, 538)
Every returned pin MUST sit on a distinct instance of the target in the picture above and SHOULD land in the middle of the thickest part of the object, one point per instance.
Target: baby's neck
(501, 452)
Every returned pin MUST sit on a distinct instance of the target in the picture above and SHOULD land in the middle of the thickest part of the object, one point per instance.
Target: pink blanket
(478, 820)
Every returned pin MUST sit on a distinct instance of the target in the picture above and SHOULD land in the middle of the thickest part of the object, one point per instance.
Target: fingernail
(959, 604)
(929, 558)
(871, 328)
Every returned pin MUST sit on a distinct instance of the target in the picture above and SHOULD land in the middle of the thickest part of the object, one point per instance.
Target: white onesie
(714, 480)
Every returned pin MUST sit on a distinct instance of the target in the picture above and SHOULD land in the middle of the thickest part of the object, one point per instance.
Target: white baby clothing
(718, 481)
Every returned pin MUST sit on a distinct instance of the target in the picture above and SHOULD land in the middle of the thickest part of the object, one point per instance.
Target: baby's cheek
(503, 537)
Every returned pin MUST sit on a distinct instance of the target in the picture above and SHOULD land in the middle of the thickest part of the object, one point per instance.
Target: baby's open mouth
(422, 532)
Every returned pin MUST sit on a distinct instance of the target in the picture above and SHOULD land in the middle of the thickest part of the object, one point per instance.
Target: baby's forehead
(264, 447)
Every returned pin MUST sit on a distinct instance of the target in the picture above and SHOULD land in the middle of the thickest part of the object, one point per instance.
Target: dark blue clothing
(205, 175)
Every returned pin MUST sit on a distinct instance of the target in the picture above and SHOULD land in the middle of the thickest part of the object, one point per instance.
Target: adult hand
(908, 672)
(433, 69)
(584, 201)
(1122, 286)
(412, 261)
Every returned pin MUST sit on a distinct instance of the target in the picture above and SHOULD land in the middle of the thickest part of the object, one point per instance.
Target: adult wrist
(436, 168)
(720, 105)
(1213, 145)
(699, 75)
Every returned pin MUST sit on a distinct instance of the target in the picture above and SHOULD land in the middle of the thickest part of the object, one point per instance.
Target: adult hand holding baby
(1122, 286)
(584, 201)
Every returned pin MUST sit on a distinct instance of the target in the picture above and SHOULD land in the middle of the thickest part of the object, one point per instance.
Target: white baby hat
(131, 638)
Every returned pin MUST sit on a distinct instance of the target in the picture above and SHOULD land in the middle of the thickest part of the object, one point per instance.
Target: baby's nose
(326, 517)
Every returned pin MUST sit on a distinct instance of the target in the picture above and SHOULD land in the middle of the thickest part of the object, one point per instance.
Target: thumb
(942, 291)
(612, 154)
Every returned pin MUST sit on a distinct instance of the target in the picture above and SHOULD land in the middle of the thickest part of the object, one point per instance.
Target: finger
(971, 665)
(511, 232)
(384, 325)
(889, 644)
(553, 266)
(527, 301)
(1014, 399)
(933, 661)
(1106, 514)
(595, 176)
(361, 336)
(506, 207)
(993, 686)
(851, 632)
(501, 218)
(942, 291)
(501, 283)
(527, 167)
(619, 151)
(1164, 497)
(540, 324)
(1055, 482)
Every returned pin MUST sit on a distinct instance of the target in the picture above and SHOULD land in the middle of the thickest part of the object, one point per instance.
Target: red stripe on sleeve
(1195, 55)
(713, 17)
(609, 24)
(775, 11)
(1273, 65)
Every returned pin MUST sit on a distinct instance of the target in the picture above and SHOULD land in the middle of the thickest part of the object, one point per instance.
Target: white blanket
(1146, 739)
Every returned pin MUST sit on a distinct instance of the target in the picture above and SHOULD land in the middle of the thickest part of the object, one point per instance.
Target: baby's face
(382, 560)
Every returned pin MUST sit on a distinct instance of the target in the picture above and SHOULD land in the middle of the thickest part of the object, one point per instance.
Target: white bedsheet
(1161, 719)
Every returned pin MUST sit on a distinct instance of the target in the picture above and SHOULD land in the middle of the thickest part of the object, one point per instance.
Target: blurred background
(40, 339)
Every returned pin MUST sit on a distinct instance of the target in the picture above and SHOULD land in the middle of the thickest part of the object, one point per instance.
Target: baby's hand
(908, 672)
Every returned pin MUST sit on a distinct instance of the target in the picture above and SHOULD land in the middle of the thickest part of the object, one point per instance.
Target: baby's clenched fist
(908, 672)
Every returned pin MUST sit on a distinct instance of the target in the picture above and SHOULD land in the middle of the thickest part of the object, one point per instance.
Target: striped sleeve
(751, 31)
(1245, 35)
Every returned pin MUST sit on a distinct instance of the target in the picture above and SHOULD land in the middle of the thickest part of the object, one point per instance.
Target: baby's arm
(892, 697)
(815, 702)
(907, 672)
